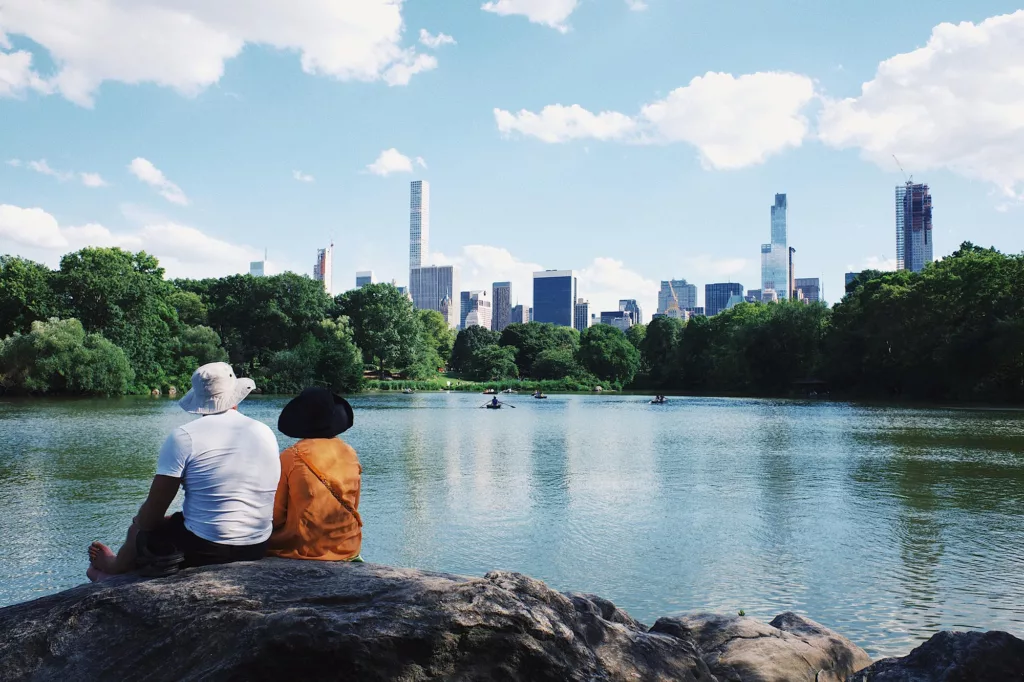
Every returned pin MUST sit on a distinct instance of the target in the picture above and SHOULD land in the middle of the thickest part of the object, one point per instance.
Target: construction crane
(908, 178)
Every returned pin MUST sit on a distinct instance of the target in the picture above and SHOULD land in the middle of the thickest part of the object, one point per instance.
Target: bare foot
(101, 557)
(96, 575)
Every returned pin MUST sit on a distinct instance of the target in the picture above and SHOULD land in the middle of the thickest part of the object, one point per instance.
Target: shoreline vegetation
(107, 322)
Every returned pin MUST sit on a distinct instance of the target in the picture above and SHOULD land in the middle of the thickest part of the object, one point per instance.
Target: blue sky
(631, 142)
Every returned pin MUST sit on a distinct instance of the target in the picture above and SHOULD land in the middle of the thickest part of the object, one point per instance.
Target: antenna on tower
(910, 178)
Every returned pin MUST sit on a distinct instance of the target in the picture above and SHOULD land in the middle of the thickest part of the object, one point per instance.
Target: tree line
(108, 322)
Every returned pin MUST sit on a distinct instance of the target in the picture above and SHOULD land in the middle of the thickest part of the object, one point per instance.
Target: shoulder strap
(330, 488)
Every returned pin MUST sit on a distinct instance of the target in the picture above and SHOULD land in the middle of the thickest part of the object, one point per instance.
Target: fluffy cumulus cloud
(551, 13)
(183, 44)
(603, 282)
(956, 103)
(183, 251)
(303, 177)
(434, 42)
(145, 171)
(733, 122)
(391, 161)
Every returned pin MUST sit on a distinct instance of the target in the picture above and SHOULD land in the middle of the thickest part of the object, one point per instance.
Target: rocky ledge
(287, 620)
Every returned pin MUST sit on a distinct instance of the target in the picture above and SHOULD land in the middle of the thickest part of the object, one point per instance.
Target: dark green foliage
(26, 294)
(492, 362)
(607, 354)
(194, 347)
(57, 356)
(384, 324)
(436, 342)
(556, 363)
(660, 353)
(329, 358)
(635, 335)
(124, 297)
(532, 339)
(468, 344)
(257, 317)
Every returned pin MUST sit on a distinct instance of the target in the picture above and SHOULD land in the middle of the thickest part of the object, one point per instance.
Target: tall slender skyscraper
(419, 223)
(775, 256)
(914, 248)
(501, 300)
(323, 269)
(581, 318)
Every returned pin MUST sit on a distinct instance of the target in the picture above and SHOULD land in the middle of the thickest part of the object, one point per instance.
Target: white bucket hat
(215, 389)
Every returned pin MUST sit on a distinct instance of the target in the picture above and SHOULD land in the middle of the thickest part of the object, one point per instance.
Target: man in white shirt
(229, 467)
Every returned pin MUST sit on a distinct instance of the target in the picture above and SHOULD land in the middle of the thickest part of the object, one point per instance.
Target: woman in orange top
(316, 510)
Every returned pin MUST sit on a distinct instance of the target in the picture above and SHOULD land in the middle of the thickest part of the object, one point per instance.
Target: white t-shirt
(229, 466)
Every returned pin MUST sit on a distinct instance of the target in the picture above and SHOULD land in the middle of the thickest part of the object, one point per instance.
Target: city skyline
(205, 158)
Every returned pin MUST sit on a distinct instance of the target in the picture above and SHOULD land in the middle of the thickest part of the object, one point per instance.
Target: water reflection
(883, 523)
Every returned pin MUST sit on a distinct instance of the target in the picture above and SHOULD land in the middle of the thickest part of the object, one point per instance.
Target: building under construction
(913, 227)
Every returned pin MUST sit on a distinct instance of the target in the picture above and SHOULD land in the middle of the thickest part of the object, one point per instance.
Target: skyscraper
(791, 275)
(629, 305)
(323, 269)
(501, 305)
(520, 315)
(554, 297)
(432, 284)
(808, 289)
(716, 296)
(257, 268)
(678, 292)
(475, 309)
(363, 278)
(775, 256)
(913, 227)
(419, 223)
(620, 319)
(581, 316)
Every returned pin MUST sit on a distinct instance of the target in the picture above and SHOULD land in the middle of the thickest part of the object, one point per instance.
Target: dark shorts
(200, 552)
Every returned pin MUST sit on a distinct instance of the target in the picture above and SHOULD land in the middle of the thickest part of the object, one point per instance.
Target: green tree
(123, 297)
(532, 339)
(468, 344)
(607, 354)
(635, 335)
(384, 324)
(25, 295)
(257, 317)
(660, 351)
(189, 306)
(57, 356)
(194, 347)
(556, 363)
(437, 340)
(493, 362)
(340, 362)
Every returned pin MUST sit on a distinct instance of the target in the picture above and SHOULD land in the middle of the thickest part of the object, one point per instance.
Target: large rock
(954, 657)
(287, 620)
(789, 649)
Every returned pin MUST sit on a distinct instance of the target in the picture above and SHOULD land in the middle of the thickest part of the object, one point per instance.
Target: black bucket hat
(315, 413)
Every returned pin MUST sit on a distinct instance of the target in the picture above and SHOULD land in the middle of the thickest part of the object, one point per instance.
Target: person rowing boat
(496, 404)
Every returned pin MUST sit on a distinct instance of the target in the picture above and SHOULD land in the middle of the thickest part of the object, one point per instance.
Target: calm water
(884, 523)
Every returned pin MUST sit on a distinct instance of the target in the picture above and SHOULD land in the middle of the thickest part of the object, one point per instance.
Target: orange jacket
(309, 521)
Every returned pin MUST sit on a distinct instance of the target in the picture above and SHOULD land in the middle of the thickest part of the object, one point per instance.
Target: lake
(885, 523)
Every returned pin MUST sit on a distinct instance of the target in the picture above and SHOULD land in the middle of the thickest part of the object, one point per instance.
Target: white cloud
(145, 171)
(410, 64)
(390, 161)
(421, 162)
(603, 282)
(303, 177)
(32, 227)
(92, 180)
(956, 103)
(636, 5)
(733, 122)
(16, 74)
(556, 123)
(183, 44)
(882, 263)
(551, 13)
(183, 251)
(433, 41)
(42, 167)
